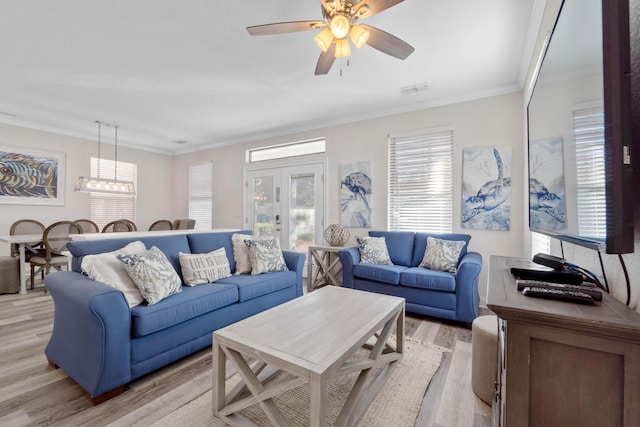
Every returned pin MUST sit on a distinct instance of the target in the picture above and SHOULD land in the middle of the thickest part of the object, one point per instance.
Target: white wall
(155, 177)
(495, 121)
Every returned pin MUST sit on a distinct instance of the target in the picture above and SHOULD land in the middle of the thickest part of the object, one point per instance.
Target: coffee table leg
(219, 361)
(318, 404)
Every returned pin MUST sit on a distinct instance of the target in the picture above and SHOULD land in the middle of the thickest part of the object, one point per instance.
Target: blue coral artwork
(486, 188)
(355, 194)
(33, 177)
(547, 202)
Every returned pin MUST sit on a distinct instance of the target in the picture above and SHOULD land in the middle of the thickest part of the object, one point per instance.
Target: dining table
(22, 240)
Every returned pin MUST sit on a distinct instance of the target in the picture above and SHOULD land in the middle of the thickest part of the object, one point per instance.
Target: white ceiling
(168, 70)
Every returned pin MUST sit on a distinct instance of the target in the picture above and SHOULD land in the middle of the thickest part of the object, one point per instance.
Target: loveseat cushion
(421, 245)
(177, 308)
(399, 244)
(250, 287)
(428, 279)
(389, 274)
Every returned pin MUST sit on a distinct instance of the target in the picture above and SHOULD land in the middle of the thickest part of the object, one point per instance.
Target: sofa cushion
(201, 243)
(389, 274)
(250, 287)
(428, 279)
(153, 274)
(178, 308)
(171, 246)
(204, 268)
(400, 245)
(373, 250)
(421, 245)
(442, 255)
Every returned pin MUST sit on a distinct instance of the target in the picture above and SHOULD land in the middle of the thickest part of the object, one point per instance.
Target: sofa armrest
(91, 337)
(295, 262)
(349, 257)
(467, 297)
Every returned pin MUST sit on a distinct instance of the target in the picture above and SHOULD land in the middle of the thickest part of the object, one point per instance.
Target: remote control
(592, 291)
(570, 296)
(568, 277)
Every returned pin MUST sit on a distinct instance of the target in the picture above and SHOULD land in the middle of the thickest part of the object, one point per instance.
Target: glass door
(287, 203)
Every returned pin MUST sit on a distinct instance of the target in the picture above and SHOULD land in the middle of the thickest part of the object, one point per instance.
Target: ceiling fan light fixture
(343, 49)
(324, 39)
(339, 26)
(359, 36)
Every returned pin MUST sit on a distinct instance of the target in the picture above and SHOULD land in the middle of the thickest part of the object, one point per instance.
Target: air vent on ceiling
(179, 141)
(410, 90)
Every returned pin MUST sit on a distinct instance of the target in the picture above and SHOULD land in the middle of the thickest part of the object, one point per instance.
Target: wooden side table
(328, 266)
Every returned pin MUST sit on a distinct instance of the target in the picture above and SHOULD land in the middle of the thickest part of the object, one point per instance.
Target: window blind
(588, 124)
(421, 181)
(540, 243)
(110, 207)
(201, 195)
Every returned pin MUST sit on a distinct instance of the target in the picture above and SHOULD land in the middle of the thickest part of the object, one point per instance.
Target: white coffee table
(312, 338)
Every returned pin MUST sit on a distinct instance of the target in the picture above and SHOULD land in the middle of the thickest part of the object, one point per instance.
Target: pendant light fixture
(105, 185)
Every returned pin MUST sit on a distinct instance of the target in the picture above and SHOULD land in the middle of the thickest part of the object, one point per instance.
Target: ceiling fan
(339, 24)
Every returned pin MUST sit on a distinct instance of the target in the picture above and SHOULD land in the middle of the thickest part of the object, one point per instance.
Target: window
(110, 207)
(588, 129)
(201, 195)
(301, 148)
(421, 181)
(540, 243)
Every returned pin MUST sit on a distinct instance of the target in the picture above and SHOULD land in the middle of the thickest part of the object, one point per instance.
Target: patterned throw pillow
(265, 256)
(442, 254)
(373, 250)
(153, 274)
(241, 252)
(204, 268)
(106, 268)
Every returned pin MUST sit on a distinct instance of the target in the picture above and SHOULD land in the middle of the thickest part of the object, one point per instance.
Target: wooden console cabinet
(561, 363)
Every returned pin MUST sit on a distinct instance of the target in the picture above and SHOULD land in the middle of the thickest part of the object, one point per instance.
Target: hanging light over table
(105, 185)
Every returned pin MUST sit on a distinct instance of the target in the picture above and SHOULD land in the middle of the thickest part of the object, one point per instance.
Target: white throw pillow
(204, 268)
(153, 274)
(373, 250)
(442, 254)
(106, 268)
(265, 256)
(241, 252)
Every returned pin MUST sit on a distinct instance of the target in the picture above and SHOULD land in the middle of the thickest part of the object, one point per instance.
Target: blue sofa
(429, 292)
(102, 344)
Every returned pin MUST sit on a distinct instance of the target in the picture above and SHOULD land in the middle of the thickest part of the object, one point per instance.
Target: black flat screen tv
(579, 125)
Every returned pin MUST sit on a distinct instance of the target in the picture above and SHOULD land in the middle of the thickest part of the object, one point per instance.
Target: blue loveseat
(103, 344)
(429, 292)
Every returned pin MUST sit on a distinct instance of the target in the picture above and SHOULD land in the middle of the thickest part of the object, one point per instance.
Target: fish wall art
(30, 177)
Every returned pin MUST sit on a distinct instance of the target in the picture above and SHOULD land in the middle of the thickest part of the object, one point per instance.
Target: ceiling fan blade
(285, 27)
(388, 43)
(326, 60)
(373, 6)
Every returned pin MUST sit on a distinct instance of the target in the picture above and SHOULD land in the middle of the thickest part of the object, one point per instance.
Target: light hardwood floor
(33, 393)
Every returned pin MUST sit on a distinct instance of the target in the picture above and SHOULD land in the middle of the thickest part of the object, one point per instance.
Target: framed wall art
(486, 188)
(355, 194)
(547, 202)
(30, 176)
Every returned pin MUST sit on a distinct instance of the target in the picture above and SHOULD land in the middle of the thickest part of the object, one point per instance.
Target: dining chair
(55, 239)
(88, 226)
(184, 224)
(161, 224)
(117, 226)
(28, 226)
(133, 225)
